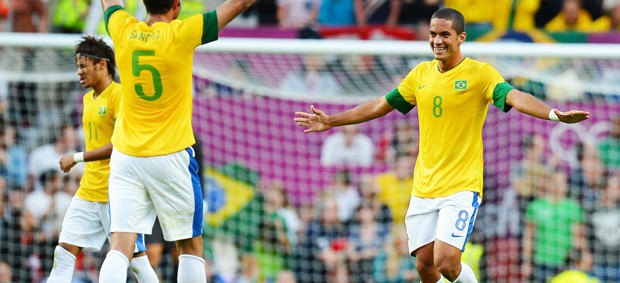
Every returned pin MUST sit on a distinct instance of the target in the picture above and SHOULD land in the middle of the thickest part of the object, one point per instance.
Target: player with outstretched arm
(452, 93)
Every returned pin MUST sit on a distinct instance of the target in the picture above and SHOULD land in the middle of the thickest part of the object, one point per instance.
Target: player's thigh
(177, 198)
(421, 222)
(83, 225)
(457, 216)
(131, 209)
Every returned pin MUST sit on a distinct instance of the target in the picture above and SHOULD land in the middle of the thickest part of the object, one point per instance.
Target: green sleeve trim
(396, 100)
(499, 96)
(210, 27)
(108, 13)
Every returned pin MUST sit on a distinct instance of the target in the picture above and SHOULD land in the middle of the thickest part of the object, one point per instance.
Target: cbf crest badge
(460, 85)
(102, 110)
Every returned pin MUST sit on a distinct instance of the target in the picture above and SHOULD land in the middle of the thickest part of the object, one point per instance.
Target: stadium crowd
(309, 17)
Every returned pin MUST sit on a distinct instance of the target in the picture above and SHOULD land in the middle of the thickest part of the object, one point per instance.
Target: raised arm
(530, 105)
(228, 10)
(318, 121)
(108, 3)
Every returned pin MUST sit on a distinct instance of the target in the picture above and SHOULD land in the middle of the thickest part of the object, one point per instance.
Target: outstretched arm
(228, 10)
(68, 161)
(318, 121)
(108, 3)
(530, 105)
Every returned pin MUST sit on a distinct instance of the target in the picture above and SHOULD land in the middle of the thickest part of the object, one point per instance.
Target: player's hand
(66, 163)
(317, 121)
(572, 116)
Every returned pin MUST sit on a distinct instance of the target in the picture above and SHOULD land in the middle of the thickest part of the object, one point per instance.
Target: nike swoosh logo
(421, 87)
(457, 236)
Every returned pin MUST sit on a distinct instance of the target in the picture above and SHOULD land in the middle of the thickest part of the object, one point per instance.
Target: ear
(462, 37)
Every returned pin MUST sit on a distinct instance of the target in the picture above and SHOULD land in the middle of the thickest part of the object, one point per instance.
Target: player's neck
(101, 86)
(155, 18)
(447, 65)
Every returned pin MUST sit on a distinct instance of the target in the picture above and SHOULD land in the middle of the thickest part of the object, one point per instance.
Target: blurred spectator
(321, 254)
(395, 187)
(94, 19)
(284, 276)
(337, 13)
(610, 20)
(191, 7)
(609, 148)
(573, 276)
(348, 147)
(377, 12)
(554, 231)
(267, 12)
(522, 13)
(404, 141)
(587, 178)
(548, 10)
(606, 230)
(366, 237)
(368, 190)
(45, 157)
(6, 275)
(13, 158)
(250, 270)
(298, 14)
(277, 200)
(572, 17)
(4, 15)
(29, 16)
(312, 78)
(417, 13)
(528, 176)
(344, 193)
(272, 247)
(70, 16)
(394, 264)
(479, 13)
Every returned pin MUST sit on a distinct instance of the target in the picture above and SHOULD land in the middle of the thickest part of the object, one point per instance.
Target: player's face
(90, 73)
(444, 40)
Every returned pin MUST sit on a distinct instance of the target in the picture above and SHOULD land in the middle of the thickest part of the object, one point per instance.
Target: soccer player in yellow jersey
(86, 223)
(153, 172)
(452, 93)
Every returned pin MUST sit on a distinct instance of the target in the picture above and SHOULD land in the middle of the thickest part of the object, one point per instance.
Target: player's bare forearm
(364, 112)
(228, 10)
(101, 153)
(109, 3)
(530, 105)
(319, 121)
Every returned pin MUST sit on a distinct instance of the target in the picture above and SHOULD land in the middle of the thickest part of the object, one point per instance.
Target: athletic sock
(114, 268)
(64, 264)
(191, 269)
(142, 270)
(467, 275)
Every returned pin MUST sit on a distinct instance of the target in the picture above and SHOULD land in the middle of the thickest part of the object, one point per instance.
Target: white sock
(191, 269)
(467, 275)
(64, 263)
(142, 270)
(114, 268)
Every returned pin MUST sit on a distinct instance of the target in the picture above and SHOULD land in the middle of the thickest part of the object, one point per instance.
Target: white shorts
(86, 225)
(166, 186)
(448, 219)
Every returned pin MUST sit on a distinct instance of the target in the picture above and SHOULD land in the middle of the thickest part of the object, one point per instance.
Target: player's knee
(448, 267)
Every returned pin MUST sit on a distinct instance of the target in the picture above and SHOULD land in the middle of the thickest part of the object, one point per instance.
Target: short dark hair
(457, 19)
(158, 6)
(96, 50)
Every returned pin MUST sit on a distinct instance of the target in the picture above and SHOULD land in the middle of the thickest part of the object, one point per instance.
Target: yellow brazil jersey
(452, 108)
(98, 124)
(155, 65)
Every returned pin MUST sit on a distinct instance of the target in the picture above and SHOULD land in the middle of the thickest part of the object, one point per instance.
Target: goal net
(282, 203)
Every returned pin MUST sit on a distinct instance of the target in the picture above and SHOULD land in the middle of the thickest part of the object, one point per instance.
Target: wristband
(553, 116)
(78, 157)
